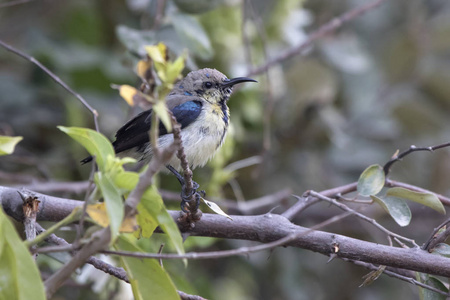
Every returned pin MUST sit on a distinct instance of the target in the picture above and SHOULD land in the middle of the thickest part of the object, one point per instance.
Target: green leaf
(160, 109)
(95, 143)
(442, 249)
(427, 199)
(147, 278)
(396, 208)
(147, 223)
(174, 69)
(157, 53)
(114, 203)
(371, 181)
(193, 35)
(151, 208)
(19, 277)
(153, 203)
(8, 143)
(436, 283)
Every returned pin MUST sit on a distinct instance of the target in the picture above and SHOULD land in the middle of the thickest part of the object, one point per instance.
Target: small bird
(199, 103)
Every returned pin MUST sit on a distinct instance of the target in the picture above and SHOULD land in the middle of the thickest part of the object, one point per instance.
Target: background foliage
(378, 84)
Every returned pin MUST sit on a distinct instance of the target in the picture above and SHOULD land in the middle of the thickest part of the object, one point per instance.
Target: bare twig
(95, 262)
(361, 216)
(76, 187)
(412, 148)
(392, 183)
(54, 77)
(399, 276)
(184, 296)
(435, 239)
(302, 204)
(195, 213)
(118, 272)
(319, 33)
(86, 202)
(14, 3)
(305, 202)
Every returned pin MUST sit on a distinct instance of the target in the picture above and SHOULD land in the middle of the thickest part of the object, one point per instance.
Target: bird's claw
(187, 198)
(185, 202)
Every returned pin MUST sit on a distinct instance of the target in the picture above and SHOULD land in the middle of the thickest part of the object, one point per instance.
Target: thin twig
(76, 187)
(319, 33)
(14, 3)
(195, 213)
(95, 262)
(86, 202)
(431, 242)
(392, 183)
(398, 276)
(52, 76)
(361, 216)
(305, 202)
(118, 272)
(184, 296)
(412, 148)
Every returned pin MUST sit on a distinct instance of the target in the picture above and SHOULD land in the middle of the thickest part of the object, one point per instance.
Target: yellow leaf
(8, 143)
(98, 213)
(127, 93)
(129, 225)
(143, 68)
(157, 53)
(132, 96)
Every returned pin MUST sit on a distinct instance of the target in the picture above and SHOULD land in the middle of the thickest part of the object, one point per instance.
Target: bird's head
(209, 84)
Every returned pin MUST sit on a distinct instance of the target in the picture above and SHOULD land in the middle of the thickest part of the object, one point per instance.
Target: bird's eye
(208, 85)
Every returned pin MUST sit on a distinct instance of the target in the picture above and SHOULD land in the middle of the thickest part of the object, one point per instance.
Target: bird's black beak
(233, 81)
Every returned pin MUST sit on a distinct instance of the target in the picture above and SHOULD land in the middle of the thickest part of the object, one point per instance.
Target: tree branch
(412, 148)
(270, 227)
(54, 77)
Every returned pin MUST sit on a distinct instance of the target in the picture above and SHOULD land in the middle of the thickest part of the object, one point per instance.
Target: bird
(199, 104)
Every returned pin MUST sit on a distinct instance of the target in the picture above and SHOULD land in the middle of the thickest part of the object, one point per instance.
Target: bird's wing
(135, 132)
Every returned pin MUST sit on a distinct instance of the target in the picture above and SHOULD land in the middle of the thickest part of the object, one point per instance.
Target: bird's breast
(203, 137)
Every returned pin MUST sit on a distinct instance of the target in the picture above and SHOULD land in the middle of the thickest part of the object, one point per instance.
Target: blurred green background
(314, 121)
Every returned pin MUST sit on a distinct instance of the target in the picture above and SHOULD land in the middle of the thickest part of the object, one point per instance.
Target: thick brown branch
(269, 227)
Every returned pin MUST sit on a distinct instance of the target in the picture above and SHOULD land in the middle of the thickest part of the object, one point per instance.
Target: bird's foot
(186, 199)
(188, 195)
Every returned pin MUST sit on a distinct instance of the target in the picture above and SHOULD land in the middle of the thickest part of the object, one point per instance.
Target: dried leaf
(215, 208)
